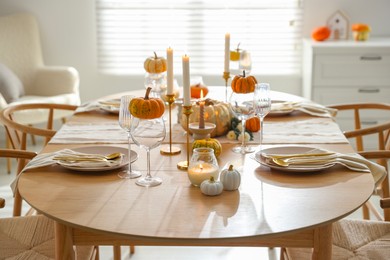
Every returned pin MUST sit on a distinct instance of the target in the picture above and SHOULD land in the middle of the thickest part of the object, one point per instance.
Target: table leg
(323, 243)
(63, 242)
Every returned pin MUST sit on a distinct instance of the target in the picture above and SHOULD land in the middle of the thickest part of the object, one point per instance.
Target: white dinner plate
(285, 150)
(279, 112)
(110, 105)
(103, 150)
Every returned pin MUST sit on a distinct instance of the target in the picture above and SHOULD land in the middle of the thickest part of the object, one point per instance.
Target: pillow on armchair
(10, 85)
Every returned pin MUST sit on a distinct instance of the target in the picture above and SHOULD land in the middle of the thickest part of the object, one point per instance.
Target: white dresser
(337, 72)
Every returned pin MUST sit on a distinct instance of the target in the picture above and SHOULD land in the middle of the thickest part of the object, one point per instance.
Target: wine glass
(242, 106)
(148, 134)
(262, 102)
(125, 121)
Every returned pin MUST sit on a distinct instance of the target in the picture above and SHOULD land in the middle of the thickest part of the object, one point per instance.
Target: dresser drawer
(359, 69)
(339, 95)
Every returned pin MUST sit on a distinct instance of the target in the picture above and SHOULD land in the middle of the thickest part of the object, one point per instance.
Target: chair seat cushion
(39, 116)
(10, 85)
(354, 240)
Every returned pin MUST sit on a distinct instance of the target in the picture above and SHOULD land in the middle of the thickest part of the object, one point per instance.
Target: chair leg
(132, 249)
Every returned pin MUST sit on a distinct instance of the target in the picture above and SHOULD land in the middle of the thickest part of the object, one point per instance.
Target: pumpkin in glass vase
(215, 112)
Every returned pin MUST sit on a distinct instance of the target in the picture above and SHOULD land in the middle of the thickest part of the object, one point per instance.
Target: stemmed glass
(125, 121)
(242, 106)
(148, 134)
(262, 103)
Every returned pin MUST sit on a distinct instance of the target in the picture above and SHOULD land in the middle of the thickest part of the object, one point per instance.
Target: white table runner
(313, 130)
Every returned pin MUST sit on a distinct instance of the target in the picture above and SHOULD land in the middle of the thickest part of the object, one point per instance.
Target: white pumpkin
(230, 178)
(211, 187)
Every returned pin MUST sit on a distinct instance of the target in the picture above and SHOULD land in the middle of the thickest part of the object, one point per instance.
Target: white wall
(68, 38)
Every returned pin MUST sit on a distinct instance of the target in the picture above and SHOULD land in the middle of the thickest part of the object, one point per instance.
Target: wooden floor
(145, 253)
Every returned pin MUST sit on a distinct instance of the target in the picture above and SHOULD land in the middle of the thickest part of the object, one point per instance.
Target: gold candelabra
(187, 111)
(170, 150)
(226, 76)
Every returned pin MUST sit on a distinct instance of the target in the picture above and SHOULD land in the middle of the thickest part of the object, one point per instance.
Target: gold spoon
(311, 159)
(87, 157)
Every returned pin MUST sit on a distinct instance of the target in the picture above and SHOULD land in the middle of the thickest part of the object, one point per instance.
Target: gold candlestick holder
(226, 76)
(169, 149)
(187, 111)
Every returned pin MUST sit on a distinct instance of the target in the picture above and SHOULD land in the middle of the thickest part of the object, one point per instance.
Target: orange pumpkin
(360, 27)
(146, 107)
(243, 84)
(197, 89)
(253, 124)
(155, 64)
(320, 33)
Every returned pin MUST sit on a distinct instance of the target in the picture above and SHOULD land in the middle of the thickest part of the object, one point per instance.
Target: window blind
(129, 31)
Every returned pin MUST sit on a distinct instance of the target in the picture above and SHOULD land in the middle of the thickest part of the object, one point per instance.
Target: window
(129, 31)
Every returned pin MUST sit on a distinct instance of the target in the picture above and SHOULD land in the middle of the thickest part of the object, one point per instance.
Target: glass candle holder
(202, 166)
(158, 83)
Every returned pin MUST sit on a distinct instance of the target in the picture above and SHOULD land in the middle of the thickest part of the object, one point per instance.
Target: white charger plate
(103, 150)
(292, 150)
(110, 105)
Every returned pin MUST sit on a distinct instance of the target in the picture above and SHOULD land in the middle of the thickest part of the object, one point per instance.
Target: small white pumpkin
(211, 187)
(230, 178)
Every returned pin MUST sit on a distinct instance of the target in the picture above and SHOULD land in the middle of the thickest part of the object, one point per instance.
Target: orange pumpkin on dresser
(146, 107)
(321, 33)
(243, 84)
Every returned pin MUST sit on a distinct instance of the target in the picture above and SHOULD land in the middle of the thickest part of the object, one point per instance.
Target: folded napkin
(109, 105)
(46, 159)
(306, 107)
(354, 162)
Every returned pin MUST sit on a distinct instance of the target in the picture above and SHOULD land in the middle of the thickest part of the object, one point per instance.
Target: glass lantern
(203, 165)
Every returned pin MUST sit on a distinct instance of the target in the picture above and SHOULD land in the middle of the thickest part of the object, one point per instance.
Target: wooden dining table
(271, 208)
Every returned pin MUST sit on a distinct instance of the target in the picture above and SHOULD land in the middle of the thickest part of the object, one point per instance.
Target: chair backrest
(383, 157)
(20, 46)
(23, 157)
(358, 132)
(17, 132)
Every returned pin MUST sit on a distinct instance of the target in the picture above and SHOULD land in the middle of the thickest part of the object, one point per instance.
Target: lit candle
(227, 52)
(201, 110)
(170, 71)
(186, 80)
(202, 171)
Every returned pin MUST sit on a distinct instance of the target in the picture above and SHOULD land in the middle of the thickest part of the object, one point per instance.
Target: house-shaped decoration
(338, 23)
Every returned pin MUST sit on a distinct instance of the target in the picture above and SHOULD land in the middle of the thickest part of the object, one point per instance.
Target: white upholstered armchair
(21, 54)
(24, 77)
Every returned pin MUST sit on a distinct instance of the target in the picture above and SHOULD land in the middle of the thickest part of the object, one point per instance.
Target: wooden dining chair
(12, 116)
(358, 112)
(355, 239)
(359, 134)
(31, 237)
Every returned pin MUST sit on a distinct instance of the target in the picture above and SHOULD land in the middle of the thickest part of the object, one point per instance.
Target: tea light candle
(227, 52)
(170, 71)
(201, 110)
(202, 171)
(186, 80)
